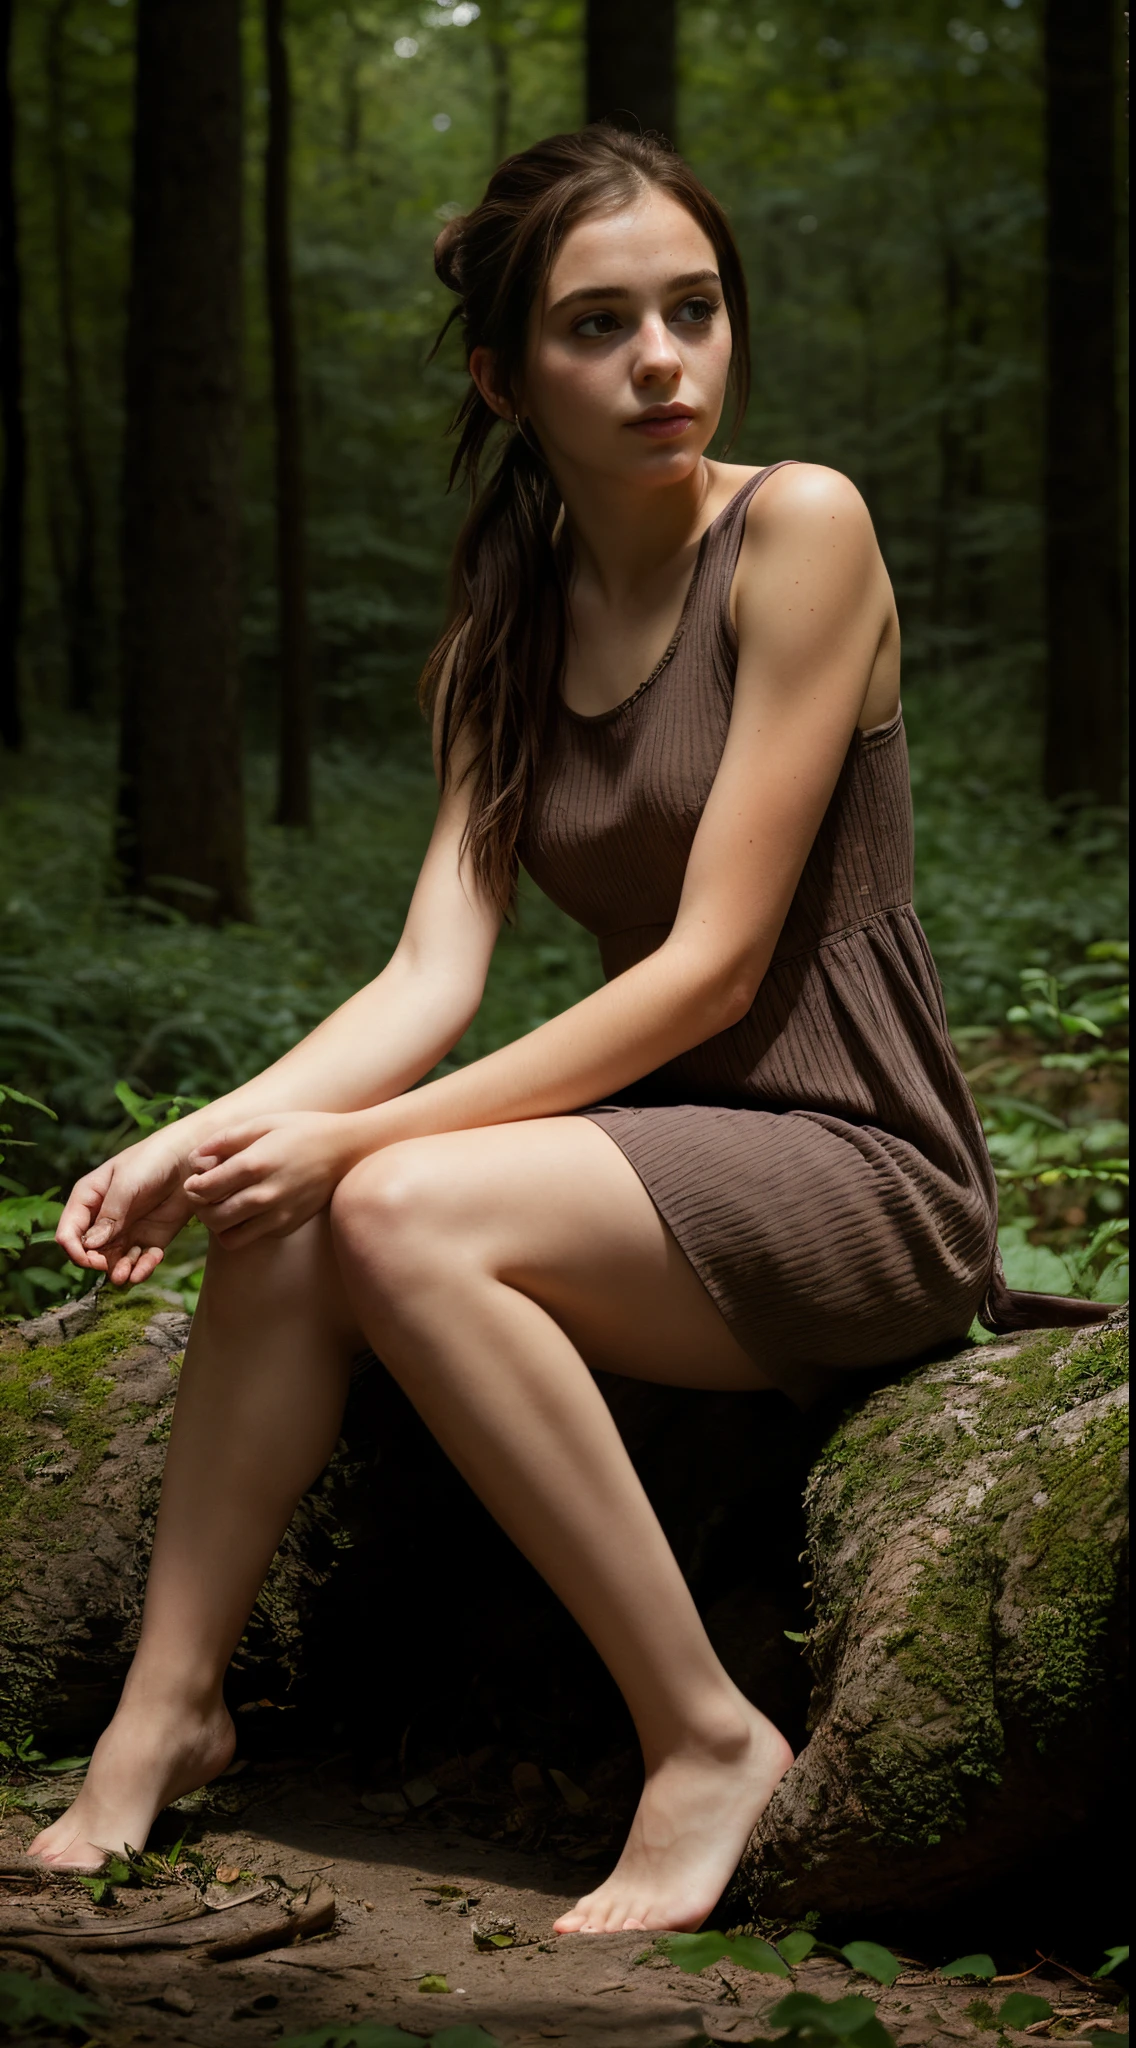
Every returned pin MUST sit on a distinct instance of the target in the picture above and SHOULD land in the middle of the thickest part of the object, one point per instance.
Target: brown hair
(502, 654)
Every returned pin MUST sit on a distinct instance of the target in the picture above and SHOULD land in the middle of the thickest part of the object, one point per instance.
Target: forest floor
(413, 1900)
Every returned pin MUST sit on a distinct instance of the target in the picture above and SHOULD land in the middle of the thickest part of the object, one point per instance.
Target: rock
(967, 1531)
(59, 1325)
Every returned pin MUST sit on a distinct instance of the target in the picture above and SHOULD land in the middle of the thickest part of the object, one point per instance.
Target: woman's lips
(666, 428)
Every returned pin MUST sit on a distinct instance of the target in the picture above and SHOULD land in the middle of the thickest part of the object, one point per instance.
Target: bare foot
(696, 1815)
(148, 1756)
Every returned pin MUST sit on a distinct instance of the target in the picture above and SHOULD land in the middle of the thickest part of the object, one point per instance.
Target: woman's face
(629, 350)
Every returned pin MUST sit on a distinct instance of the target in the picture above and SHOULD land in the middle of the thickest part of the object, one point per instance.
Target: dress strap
(724, 543)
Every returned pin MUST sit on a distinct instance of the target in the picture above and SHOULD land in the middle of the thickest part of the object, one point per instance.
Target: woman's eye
(696, 312)
(595, 326)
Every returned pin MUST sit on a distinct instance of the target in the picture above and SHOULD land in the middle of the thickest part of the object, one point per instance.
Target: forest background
(930, 208)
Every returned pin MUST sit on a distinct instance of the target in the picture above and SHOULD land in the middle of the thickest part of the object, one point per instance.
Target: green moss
(1008, 1616)
(68, 1385)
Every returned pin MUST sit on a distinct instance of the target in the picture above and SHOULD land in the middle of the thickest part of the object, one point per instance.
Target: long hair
(500, 660)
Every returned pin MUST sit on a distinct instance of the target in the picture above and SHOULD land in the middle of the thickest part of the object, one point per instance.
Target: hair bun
(448, 253)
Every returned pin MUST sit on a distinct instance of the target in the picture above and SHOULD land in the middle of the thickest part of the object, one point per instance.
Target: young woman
(670, 686)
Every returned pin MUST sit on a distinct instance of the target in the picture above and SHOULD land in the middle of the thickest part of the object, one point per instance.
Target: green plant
(34, 2004)
(1053, 1099)
(818, 2022)
(27, 1219)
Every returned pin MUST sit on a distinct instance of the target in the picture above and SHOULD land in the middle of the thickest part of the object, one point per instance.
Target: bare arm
(813, 606)
(373, 1047)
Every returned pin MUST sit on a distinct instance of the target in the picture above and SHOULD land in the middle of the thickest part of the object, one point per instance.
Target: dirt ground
(413, 1898)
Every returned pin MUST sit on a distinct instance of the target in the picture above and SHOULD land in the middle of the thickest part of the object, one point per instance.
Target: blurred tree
(294, 794)
(1084, 727)
(630, 63)
(497, 28)
(14, 481)
(72, 514)
(181, 835)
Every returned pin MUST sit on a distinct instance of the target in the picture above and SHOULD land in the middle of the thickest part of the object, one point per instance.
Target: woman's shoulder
(801, 504)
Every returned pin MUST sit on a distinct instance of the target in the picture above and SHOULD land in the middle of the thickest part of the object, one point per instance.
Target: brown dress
(821, 1163)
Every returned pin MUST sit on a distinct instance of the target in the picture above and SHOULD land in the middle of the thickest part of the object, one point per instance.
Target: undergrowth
(103, 1007)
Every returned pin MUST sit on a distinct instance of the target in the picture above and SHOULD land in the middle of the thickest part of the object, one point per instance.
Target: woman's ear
(482, 368)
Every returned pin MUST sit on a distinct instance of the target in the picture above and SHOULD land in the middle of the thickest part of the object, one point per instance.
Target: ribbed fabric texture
(821, 1163)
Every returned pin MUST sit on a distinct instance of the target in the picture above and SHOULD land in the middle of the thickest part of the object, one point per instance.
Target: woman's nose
(657, 359)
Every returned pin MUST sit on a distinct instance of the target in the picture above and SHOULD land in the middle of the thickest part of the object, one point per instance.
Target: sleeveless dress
(821, 1163)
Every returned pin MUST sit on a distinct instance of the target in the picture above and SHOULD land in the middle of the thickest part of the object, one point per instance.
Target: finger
(79, 1212)
(246, 1206)
(227, 1179)
(222, 1144)
(123, 1266)
(148, 1263)
(253, 1229)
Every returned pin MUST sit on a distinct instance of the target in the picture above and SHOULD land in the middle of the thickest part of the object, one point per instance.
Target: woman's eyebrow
(620, 291)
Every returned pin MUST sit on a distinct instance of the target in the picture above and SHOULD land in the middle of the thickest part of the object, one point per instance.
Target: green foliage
(979, 1968)
(873, 1961)
(1113, 1957)
(697, 1952)
(37, 2005)
(1023, 2009)
(812, 2020)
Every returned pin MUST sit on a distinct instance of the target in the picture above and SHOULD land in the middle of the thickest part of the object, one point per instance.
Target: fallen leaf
(227, 1873)
(384, 1802)
(574, 1797)
(420, 1791)
(432, 1981)
(528, 1784)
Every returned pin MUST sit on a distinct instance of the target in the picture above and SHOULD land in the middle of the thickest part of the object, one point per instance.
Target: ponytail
(500, 661)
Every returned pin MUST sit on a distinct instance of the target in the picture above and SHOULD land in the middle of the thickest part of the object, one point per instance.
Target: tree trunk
(76, 548)
(630, 64)
(1084, 727)
(965, 1532)
(294, 798)
(13, 484)
(180, 836)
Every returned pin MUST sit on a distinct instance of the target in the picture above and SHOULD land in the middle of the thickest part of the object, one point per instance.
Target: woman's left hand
(265, 1178)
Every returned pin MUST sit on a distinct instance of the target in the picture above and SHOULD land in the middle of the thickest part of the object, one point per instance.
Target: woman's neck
(623, 536)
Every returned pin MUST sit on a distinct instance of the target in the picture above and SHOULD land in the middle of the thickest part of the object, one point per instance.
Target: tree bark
(1084, 725)
(76, 551)
(13, 484)
(630, 64)
(965, 1531)
(180, 832)
(294, 797)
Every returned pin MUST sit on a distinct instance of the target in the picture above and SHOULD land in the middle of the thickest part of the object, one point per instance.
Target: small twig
(731, 1990)
(1068, 1971)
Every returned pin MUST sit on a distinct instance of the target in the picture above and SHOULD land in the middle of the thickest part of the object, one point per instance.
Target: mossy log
(964, 1529)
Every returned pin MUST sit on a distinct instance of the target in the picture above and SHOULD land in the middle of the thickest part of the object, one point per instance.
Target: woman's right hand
(120, 1218)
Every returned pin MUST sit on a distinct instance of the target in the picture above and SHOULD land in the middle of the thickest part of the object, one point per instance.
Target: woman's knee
(386, 1215)
(297, 1273)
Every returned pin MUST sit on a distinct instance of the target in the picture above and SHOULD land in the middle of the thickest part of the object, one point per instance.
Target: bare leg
(258, 1411)
(491, 1269)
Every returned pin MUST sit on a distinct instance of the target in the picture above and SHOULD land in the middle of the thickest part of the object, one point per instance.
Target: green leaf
(1023, 2009)
(841, 2019)
(970, 1966)
(873, 1961)
(793, 1635)
(433, 1981)
(29, 1101)
(696, 1952)
(67, 1763)
(796, 1946)
(1113, 1957)
(100, 1888)
(24, 2000)
(692, 1952)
